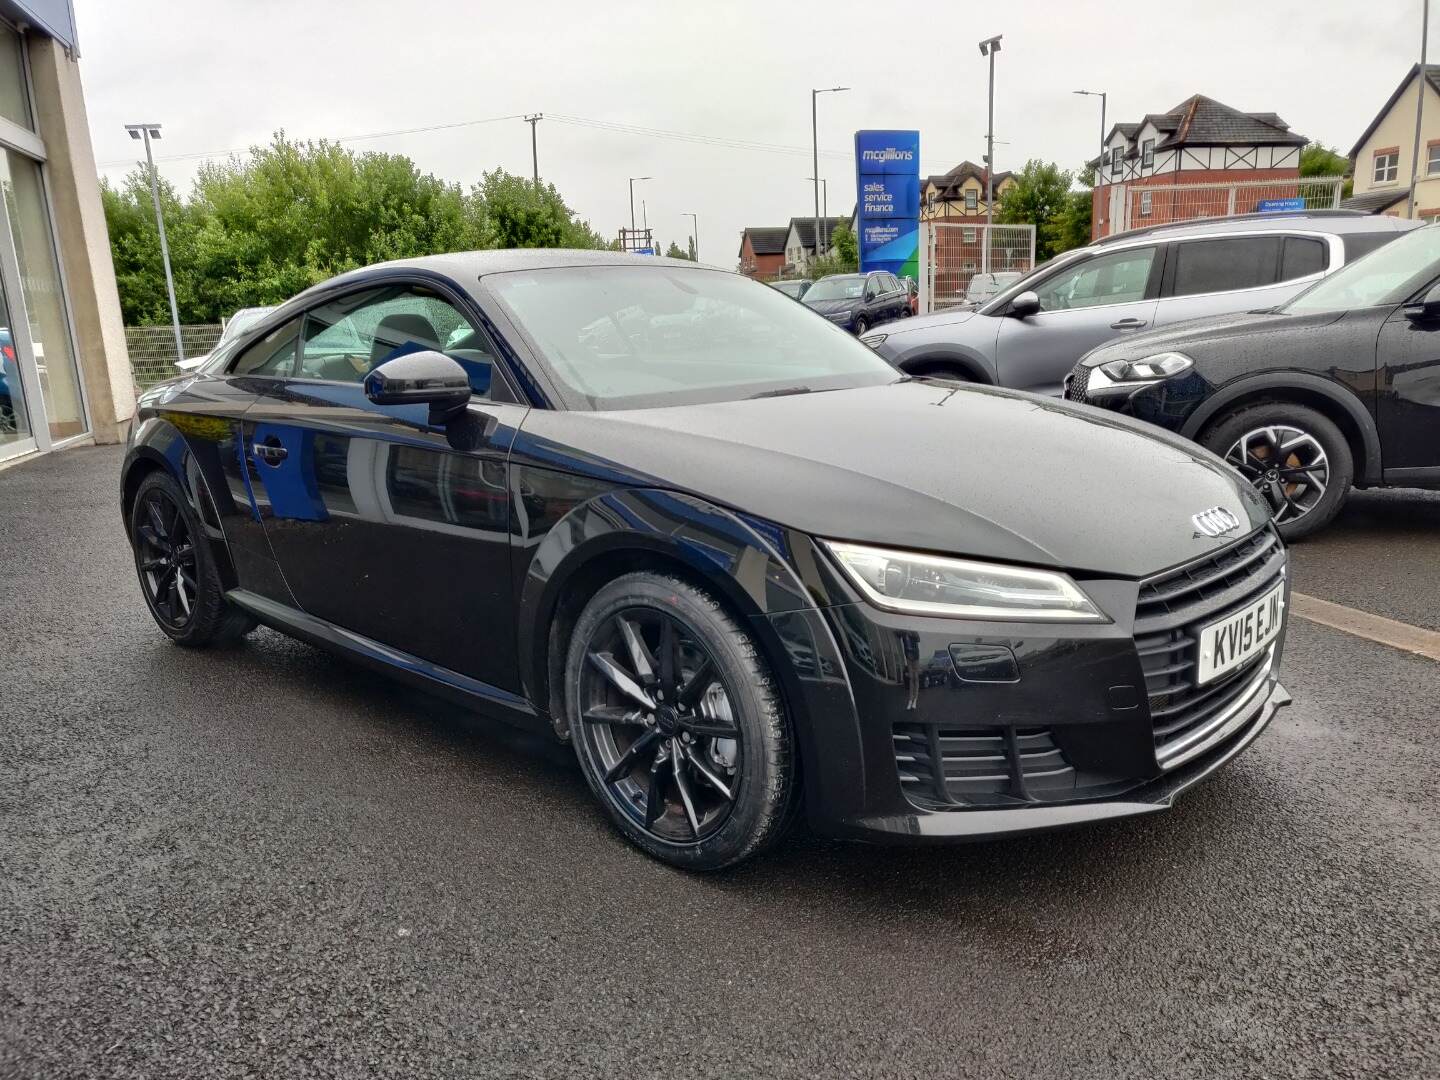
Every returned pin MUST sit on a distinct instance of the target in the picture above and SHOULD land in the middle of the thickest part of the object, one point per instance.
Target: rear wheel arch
(1335, 403)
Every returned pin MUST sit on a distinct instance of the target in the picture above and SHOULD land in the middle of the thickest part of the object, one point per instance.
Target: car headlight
(839, 316)
(874, 339)
(919, 584)
(1151, 369)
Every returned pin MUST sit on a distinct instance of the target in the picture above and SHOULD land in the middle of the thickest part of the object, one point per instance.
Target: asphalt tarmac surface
(268, 862)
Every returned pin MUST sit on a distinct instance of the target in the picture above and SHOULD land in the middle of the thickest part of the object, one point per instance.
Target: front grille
(1077, 384)
(1172, 608)
(947, 766)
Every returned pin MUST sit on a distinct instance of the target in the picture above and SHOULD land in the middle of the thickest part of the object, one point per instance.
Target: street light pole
(815, 152)
(1100, 168)
(694, 234)
(534, 120)
(146, 132)
(989, 47)
(632, 200)
(1419, 107)
(824, 207)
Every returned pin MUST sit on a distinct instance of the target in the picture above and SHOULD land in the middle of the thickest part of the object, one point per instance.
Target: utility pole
(534, 119)
(147, 132)
(694, 235)
(1419, 106)
(632, 199)
(1100, 168)
(989, 47)
(815, 153)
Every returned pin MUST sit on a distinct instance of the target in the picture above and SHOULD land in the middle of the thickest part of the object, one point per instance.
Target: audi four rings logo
(1217, 521)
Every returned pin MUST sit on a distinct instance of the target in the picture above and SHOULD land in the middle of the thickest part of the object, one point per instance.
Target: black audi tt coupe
(745, 567)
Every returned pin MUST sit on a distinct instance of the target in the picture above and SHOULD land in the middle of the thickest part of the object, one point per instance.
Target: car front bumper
(922, 729)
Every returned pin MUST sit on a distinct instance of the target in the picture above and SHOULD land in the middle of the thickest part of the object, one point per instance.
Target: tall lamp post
(1419, 107)
(824, 209)
(815, 151)
(632, 201)
(989, 47)
(1099, 169)
(694, 234)
(148, 132)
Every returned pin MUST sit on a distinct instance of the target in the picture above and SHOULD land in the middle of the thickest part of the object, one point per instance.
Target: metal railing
(1134, 206)
(152, 349)
(952, 253)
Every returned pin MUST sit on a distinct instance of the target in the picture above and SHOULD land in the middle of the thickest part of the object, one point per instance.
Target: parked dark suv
(1341, 385)
(859, 301)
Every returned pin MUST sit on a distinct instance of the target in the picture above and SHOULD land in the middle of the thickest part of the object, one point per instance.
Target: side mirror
(421, 378)
(1427, 308)
(1025, 305)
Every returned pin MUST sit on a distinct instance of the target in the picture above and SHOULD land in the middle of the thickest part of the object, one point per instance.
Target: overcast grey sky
(225, 74)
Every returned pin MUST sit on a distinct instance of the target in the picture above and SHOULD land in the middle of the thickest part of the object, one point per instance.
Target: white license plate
(1227, 643)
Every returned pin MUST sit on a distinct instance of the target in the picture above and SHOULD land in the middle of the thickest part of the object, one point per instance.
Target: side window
(1117, 278)
(892, 283)
(1358, 244)
(1211, 266)
(349, 337)
(1303, 255)
(273, 354)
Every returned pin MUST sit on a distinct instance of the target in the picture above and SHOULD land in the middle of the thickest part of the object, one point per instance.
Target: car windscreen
(623, 337)
(789, 288)
(1386, 276)
(836, 288)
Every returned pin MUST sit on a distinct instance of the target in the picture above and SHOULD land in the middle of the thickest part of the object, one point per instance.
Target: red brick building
(1148, 165)
(762, 251)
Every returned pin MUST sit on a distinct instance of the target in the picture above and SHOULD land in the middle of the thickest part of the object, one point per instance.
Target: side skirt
(461, 689)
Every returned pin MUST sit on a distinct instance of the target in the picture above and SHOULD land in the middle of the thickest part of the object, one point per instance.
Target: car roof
(1340, 222)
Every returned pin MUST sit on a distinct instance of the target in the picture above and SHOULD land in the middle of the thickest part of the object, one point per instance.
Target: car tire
(176, 568)
(1316, 454)
(861, 325)
(679, 816)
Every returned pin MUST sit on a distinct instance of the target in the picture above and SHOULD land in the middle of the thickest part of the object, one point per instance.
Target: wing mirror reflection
(1025, 305)
(421, 378)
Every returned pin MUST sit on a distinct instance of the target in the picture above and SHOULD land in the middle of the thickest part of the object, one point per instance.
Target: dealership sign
(887, 181)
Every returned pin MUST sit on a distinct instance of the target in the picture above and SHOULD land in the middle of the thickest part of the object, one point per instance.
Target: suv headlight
(1151, 369)
(919, 584)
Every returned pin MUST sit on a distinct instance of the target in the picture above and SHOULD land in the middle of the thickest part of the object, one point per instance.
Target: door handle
(270, 451)
(1127, 324)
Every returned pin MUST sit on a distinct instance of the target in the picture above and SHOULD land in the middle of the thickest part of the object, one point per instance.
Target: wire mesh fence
(957, 252)
(152, 349)
(1160, 204)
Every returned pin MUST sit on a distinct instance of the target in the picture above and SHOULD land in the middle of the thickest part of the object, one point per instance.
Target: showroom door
(15, 434)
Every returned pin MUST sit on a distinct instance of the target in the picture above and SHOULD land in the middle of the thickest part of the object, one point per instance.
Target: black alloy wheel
(861, 325)
(1292, 455)
(177, 570)
(676, 724)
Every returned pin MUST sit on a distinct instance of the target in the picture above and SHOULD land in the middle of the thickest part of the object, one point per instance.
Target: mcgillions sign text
(887, 178)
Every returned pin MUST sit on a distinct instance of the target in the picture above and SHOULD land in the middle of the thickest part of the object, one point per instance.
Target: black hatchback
(1339, 386)
(662, 513)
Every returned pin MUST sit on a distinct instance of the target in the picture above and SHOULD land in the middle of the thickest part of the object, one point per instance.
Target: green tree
(257, 229)
(674, 251)
(1070, 228)
(843, 256)
(1039, 194)
(1317, 159)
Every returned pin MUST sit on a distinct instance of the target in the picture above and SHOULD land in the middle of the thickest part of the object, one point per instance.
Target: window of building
(972, 200)
(14, 100)
(1387, 166)
(1432, 159)
(1115, 162)
(1210, 266)
(1147, 154)
(1302, 256)
(1147, 199)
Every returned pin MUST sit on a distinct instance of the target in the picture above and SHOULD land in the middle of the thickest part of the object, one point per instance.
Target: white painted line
(1397, 635)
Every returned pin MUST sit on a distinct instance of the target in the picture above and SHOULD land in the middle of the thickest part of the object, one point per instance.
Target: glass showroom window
(27, 211)
(14, 101)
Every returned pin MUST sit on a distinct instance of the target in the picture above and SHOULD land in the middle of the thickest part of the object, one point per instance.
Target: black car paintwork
(877, 308)
(733, 494)
(1375, 370)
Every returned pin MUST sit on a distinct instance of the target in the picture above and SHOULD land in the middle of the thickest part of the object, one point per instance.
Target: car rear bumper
(955, 730)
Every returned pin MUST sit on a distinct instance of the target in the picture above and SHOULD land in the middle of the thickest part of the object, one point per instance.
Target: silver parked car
(1032, 333)
(238, 323)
